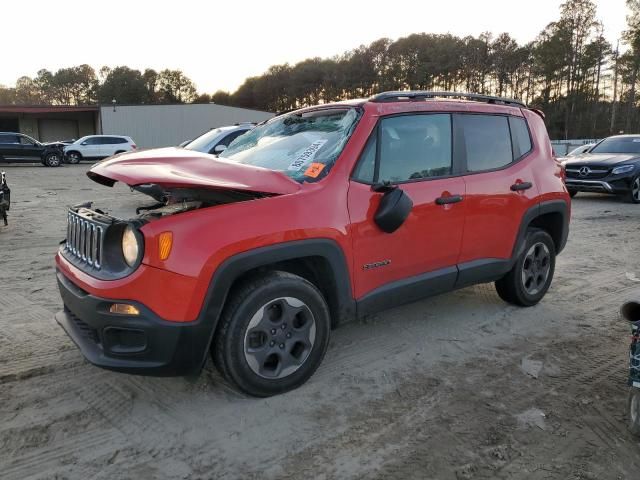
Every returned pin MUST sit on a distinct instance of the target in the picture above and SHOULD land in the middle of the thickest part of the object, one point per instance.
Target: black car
(611, 166)
(16, 147)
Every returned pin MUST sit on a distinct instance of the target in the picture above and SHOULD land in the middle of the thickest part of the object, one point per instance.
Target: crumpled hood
(178, 168)
(600, 158)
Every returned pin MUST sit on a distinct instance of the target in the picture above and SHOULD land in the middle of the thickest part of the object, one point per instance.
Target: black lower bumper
(617, 185)
(141, 344)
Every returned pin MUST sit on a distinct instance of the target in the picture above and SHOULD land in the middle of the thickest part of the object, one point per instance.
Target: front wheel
(52, 159)
(530, 277)
(634, 193)
(74, 157)
(273, 334)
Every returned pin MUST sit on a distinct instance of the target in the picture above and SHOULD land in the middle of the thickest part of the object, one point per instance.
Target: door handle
(448, 200)
(517, 187)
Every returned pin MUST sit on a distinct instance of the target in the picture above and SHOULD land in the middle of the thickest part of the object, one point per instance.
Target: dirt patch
(458, 386)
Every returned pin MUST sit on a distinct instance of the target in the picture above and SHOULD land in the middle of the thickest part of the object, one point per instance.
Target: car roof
(412, 100)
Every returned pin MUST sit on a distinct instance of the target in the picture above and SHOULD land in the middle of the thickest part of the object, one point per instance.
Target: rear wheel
(634, 193)
(530, 277)
(273, 334)
(74, 157)
(53, 159)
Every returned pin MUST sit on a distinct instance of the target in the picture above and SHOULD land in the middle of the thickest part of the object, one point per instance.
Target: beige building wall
(86, 125)
(29, 126)
(165, 125)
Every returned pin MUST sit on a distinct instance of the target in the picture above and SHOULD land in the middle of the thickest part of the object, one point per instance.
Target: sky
(219, 44)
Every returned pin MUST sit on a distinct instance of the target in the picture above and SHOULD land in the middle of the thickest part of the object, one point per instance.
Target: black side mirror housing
(395, 206)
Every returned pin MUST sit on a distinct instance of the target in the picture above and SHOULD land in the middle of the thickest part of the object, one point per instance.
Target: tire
(634, 193)
(531, 276)
(53, 159)
(273, 334)
(572, 193)
(74, 157)
(633, 411)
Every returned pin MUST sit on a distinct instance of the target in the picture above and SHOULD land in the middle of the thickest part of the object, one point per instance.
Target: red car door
(414, 153)
(499, 186)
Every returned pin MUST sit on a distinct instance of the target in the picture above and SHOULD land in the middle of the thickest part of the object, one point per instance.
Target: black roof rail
(415, 95)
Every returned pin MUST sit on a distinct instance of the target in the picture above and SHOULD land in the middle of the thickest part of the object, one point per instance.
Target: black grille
(592, 173)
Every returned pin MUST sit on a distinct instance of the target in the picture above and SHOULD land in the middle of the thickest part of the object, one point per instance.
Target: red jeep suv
(312, 218)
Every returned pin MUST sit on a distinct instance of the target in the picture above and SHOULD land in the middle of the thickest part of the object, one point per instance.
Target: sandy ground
(454, 387)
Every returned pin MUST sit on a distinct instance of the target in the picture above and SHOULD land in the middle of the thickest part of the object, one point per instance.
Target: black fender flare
(234, 267)
(550, 206)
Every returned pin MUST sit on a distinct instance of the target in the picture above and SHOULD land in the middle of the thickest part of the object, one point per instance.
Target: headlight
(623, 169)
(130, 247)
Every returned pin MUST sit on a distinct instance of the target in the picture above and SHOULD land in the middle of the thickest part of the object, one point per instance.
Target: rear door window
(487, 141)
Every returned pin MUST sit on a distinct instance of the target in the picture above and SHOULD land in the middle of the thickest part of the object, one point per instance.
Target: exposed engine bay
(172, 201)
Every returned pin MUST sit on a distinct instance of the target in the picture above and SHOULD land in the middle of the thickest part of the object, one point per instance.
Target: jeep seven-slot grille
(84, 240)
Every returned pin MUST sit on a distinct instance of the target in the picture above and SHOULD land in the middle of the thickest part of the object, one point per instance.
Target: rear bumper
(143, 344)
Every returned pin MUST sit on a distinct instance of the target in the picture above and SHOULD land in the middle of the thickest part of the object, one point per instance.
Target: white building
(166, 125)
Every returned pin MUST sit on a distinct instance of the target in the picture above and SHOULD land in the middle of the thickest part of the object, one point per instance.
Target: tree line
(82, 85)
(586, 86)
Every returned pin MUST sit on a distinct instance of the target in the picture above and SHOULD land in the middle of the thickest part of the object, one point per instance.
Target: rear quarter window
(520, 137)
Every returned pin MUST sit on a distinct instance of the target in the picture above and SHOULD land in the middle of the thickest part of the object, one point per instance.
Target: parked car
(97, 147)
(611, 166)
(216, 140)
(580, 150)
(17, 147)
(311, 219)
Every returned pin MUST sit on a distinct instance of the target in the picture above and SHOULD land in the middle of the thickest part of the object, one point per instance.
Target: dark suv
(310, 219)
(611, 166)
(16, 147)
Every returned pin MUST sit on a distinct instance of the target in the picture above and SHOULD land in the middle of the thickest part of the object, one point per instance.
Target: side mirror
(395, 206)
(83, 143)
(219, 149)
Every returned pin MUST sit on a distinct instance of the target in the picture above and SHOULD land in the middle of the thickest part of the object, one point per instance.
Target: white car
(581, 149)
(97, 147)
(216, 140)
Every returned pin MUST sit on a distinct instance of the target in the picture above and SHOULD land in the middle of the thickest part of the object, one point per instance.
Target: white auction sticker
(307, 155)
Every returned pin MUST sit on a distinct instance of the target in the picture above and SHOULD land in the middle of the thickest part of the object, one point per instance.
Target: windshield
(201, 143)
(303, 146)
(618, 145)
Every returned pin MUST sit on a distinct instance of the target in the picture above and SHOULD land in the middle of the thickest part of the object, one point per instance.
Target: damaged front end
(110, 245)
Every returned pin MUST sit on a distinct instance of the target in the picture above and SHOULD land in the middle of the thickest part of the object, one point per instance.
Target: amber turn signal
(123, 309)
(165, 241)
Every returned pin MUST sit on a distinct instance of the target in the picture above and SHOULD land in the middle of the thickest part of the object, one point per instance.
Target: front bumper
(142, 344)
(615, 184)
